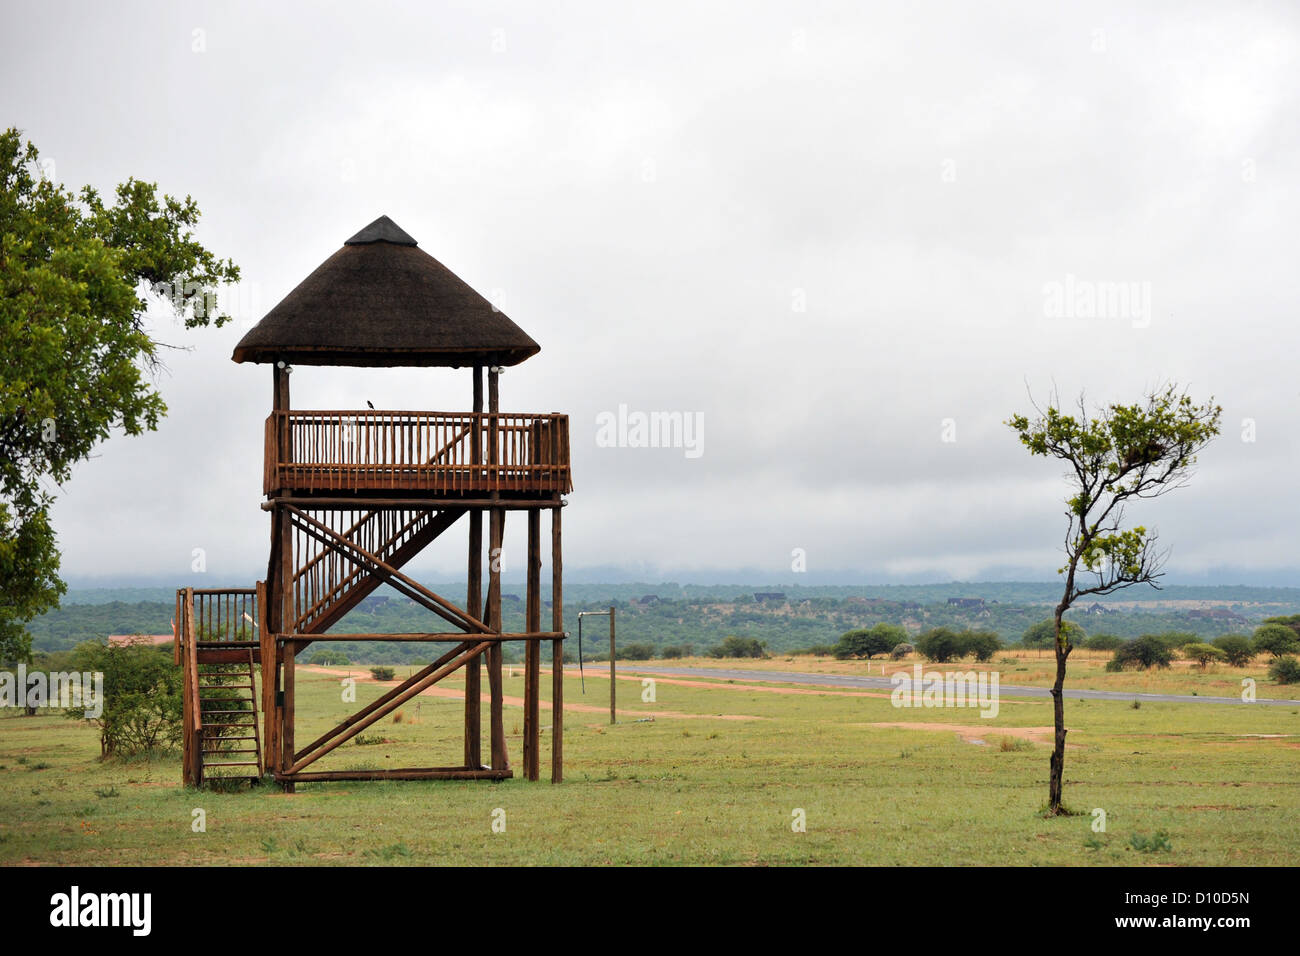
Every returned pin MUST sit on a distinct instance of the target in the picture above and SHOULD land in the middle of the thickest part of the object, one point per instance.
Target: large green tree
(77, 275)
(1124, 454)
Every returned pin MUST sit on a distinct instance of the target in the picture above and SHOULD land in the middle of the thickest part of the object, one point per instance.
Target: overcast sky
(834, 234)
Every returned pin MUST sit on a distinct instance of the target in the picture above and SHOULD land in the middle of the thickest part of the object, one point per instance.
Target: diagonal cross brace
(390, 575)
(455, 659)
(367, 583)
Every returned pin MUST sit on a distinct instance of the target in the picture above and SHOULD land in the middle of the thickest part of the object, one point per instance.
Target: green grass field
(715, 778)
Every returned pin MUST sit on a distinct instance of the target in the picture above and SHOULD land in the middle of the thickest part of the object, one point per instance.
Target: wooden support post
(557, 653)
(281, 615)
(532, 650)
(496, 533)
(286, 710)
(190, 716)
(474, 595)
(266, 652)
(613, 686)
(474, 669)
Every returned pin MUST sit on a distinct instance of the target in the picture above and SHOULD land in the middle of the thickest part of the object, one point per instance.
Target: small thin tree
(1125, 453)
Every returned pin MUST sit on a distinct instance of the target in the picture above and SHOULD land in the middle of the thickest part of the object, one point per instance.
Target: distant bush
(901, 650)
(940, 645)
(1275, 639)
(329, 659)
(382, 673)
(636, 652)
(1203, 654)
(1236, 648)
(1141, 653)
(851, 644)
(869, 642)
(739, 647)
(982, 645)
(1043, 634)
(1102, 642)
(1284, 670)
(671, 652)
(819, 650)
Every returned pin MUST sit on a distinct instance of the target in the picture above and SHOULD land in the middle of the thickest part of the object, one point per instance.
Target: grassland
(714, 778)
(1037, 668)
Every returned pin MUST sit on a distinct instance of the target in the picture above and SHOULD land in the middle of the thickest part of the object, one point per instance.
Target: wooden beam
(474, 596)
(441, 503)
(496, 535)
(267, 649)
(447, 637)
(413, 773)
(287, 709)
(532, 650)
(557, 651)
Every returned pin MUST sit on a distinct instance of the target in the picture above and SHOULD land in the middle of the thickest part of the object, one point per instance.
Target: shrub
(1102, 642)
(982, 644)
(141, 700)
(671, 652)
(1043, 634)
(883, 638)
(739, 647)
(1236, 648)
(940, 645)
(1275, 639)
(382, 673)
(851, 644)
(1142, 653)
(819, 650)
(868, 642)
(635, 652)
(901, 650)
(1203, 654)
(1156, 843)
(1284, 670)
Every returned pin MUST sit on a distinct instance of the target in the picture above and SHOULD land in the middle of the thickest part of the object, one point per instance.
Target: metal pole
(613, 693)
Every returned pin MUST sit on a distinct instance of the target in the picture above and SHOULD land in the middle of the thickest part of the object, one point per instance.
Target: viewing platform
(429, 454)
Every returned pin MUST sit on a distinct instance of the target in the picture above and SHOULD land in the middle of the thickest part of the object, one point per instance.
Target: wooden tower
(354, 495)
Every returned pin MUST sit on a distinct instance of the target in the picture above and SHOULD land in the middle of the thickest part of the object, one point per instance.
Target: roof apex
(382, 229)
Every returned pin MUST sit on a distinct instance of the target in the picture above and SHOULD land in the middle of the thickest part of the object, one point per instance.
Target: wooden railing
(437, 452)
(214, 616)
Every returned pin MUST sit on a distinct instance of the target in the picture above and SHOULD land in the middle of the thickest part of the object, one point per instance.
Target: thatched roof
(381, 301)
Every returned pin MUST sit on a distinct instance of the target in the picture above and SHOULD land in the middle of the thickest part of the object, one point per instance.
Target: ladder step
(248, 750)
(225, 725)
(240, 763)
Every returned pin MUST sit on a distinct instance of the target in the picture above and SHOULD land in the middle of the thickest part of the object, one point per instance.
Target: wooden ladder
(226, 711)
